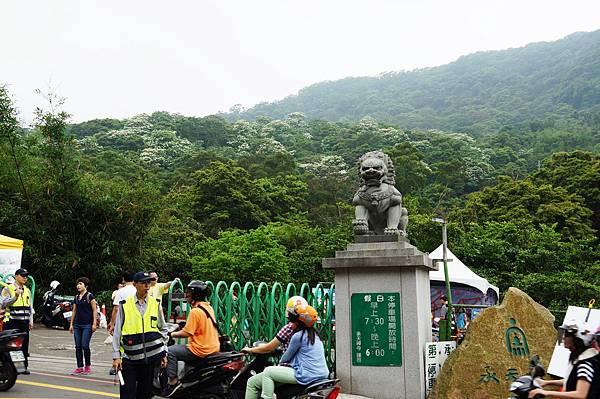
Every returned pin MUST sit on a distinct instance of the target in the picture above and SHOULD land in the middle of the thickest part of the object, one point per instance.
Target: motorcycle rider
(285, 334)
(16, 300)
(305, 353)
(203, 337)
(583, 371)
(139, 340)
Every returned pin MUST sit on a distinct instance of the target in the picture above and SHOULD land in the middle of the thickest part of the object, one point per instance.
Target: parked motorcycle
(521, 387)
(323, 389)
(56, 310)
(12, 359)
(209, 378)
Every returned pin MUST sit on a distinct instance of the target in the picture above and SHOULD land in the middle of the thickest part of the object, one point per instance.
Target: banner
(10, 260)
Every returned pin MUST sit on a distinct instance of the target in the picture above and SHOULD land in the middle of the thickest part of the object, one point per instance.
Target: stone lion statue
(377, 203)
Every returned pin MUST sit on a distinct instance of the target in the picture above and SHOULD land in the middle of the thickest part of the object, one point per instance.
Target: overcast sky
(121, 58)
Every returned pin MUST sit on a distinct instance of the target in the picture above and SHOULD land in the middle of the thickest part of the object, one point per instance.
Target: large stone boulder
(497, 349)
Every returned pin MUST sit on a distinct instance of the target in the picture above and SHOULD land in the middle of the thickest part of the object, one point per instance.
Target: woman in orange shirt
(203, 337)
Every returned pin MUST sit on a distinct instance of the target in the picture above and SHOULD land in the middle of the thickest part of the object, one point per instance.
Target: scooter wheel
(8, 376)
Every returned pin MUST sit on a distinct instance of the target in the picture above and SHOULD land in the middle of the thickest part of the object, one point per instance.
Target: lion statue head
(376, 167)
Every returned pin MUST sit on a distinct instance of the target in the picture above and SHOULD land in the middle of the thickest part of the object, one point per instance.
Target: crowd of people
(139, 336)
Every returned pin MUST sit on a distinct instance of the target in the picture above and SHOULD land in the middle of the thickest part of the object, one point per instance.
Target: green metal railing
(253, 312)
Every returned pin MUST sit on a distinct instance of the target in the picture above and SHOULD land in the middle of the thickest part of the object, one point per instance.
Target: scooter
(12, 358)
(521, 387)
(209, 378)
(323, 389)
(56, 310)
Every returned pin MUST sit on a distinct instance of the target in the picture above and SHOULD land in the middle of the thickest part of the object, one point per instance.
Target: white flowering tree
(139, 137)
(330, 182)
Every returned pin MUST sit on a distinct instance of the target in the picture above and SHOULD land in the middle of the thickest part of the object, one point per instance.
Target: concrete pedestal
(388, 265)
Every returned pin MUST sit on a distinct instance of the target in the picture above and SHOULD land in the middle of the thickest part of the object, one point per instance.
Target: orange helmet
(307, 315)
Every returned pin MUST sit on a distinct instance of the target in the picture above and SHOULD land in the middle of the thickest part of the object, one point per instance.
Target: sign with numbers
(435, 356)
(376, 334)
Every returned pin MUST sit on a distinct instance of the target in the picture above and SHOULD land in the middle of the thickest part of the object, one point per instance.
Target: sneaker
(87, 370)
(170, 390)
(26, 372)
(112, 372)
(77, 371)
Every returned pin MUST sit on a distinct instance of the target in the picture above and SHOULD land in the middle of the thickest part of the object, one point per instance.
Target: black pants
(22, 326)
(138, 380)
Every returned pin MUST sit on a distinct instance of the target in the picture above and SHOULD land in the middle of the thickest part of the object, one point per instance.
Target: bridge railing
(255, 312)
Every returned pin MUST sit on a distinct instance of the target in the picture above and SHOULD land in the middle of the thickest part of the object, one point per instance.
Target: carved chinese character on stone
(377, 203)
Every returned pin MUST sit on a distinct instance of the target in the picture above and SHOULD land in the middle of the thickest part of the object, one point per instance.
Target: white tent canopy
(458, 272)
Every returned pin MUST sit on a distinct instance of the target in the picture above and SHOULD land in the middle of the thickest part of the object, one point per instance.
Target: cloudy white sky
(196, 57)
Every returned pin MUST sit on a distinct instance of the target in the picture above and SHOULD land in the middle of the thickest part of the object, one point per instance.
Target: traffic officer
(16, 299)
(139, 340)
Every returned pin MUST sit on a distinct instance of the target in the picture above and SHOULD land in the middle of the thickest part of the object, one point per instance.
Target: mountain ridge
(478, 93)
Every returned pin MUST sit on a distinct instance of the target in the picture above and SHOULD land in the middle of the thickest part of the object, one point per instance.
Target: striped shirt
(585, 371)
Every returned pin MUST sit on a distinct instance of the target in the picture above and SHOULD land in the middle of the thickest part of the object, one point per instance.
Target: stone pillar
(388, 265)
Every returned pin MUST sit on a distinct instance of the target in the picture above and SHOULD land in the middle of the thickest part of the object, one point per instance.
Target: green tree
(523, 200)
(579, 173)
(236, 255)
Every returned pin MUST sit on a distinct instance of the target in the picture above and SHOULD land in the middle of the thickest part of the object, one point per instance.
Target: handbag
(225, 344)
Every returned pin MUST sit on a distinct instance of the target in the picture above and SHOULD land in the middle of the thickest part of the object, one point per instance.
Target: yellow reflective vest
(141, 340)
(21, 308)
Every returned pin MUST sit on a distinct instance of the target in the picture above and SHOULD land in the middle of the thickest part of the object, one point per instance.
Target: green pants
(264, 383)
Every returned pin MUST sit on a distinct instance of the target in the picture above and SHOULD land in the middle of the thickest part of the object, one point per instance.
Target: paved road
(53, 359)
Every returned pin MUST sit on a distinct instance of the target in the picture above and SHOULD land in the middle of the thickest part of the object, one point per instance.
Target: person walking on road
(120, 284)
(139, 343)
(122, 293)
(16, 300)
(83, 325)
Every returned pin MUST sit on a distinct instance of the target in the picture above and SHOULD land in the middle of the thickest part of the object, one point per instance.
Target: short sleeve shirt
(124, 293)
(585, 371)
(83, 311)
(285, 334)
(158, 290)
(204, 339)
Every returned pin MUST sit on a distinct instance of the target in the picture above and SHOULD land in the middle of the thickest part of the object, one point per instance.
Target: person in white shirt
(122, 294)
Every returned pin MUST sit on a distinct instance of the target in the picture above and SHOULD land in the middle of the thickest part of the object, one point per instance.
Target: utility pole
(448, 327)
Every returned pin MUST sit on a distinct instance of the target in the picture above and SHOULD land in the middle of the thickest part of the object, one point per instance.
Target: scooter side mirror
(538, 371)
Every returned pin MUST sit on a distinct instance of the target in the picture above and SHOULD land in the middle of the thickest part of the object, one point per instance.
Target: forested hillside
(266, 199)
(556, 82)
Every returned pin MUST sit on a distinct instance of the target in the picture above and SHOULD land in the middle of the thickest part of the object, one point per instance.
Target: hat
(141, 277)
(22, 272)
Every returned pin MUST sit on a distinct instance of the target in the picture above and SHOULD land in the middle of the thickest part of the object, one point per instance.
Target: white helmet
(294, 301)
(579, 329)
(54, 284)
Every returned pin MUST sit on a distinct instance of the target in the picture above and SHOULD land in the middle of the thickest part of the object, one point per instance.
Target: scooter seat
(214, 360)
(288, 390)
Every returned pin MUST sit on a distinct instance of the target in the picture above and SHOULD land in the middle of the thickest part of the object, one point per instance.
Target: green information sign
(376, 336)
